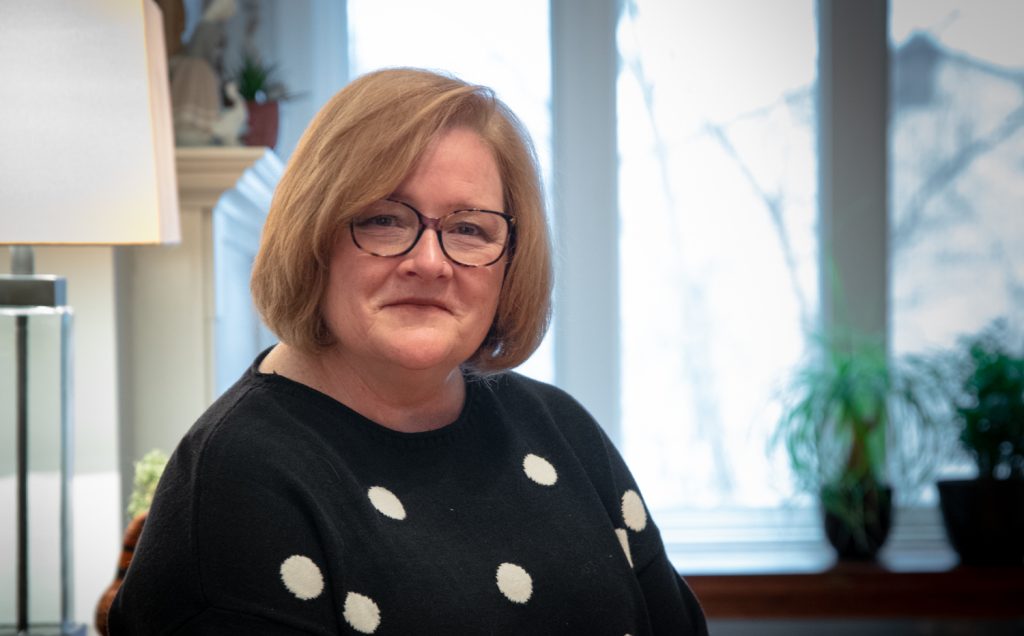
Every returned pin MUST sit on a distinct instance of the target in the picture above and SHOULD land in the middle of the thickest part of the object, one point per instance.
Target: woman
(376, 472)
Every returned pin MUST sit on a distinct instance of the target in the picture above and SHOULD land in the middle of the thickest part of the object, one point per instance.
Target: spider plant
(854, 422)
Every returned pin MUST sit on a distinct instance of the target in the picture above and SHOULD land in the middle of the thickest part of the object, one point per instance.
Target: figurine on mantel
(195, 82)
(228, 127)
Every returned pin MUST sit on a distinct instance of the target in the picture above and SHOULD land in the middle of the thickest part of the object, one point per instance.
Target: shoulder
(253, 461)
(261, 419)
(517, 392)
(551, 415)
(246, 453)
(233, 441)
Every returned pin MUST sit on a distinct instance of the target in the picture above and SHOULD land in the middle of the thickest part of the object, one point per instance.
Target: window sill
(791, 541)
(864, 590)
(770, 564)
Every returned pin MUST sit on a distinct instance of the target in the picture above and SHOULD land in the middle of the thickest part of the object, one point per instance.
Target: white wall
(308, 41)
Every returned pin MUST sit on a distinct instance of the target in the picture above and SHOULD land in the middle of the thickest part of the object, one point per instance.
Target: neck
(404, 400)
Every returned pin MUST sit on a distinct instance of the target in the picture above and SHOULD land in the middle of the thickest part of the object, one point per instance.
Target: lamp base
(45, 629)
(25, 297)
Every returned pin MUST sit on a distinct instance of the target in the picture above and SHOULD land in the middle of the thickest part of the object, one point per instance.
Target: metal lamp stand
(24, 295)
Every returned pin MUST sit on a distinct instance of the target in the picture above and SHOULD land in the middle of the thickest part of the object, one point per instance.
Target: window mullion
(853, 83)
(585, 189)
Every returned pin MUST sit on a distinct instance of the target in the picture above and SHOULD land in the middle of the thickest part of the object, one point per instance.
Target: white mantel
(205, 173)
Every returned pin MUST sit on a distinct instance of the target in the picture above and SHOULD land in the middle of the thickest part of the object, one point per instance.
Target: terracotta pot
(263, 123)
(984, 519)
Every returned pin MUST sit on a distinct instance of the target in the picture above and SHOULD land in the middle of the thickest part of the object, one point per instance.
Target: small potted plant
(147, 475)
(852, 424)
(262, 93)
(984, 517)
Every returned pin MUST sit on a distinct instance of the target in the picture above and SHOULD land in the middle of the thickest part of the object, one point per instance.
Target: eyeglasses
(471, 238)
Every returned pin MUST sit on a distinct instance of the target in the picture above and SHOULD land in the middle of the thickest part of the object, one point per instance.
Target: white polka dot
(362, 613)
(386, 502)
(302, 577)
(633, 512)
(539, 470)
(514, 582)
(624, 542)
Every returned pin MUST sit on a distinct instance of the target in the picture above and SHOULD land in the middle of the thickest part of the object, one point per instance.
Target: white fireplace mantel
(205, 173)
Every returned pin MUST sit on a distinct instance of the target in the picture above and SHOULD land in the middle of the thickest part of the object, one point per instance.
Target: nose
(426, 258)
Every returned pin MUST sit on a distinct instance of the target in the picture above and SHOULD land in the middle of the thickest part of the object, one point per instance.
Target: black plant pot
(858, 537)
(984, 519)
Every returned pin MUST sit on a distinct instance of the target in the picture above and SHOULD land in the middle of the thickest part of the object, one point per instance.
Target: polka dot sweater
(284, 512)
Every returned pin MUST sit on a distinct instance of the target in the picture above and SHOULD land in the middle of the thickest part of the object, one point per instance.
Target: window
(718, 242)
(718, 250)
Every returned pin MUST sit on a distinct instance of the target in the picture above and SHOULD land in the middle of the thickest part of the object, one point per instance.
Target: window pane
(718, 240)
(957, 169)
(501, 45)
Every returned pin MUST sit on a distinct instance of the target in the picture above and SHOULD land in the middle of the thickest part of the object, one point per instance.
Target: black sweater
(283, 512)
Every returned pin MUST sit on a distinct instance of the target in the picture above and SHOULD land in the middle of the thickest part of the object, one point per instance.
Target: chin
(421, 354)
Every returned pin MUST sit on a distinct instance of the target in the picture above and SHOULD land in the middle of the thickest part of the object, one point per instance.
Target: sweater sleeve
(232, 544)
(671, 605)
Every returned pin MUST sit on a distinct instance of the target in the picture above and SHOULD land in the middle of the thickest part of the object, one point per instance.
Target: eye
(384, 216)
(378, 220)
(466, 229)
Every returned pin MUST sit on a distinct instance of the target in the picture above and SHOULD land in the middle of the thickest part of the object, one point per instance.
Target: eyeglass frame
(435, 225)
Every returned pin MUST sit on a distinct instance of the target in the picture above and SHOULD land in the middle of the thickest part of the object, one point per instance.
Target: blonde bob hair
(357, 150)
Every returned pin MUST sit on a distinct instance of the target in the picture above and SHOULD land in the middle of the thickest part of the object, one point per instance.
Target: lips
(418, 302)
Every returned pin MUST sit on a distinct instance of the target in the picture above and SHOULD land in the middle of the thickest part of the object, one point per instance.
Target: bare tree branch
(774, 204)
(946, 173)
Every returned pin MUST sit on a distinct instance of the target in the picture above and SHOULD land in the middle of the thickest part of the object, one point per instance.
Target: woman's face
(420, 311)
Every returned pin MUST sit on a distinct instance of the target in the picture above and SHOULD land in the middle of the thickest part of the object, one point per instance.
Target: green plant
(990, 406)
(854, 422)
(256, 81)
(833, 423)
(147, 476)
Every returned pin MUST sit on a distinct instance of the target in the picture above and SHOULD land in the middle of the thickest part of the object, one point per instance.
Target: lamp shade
(86, 139)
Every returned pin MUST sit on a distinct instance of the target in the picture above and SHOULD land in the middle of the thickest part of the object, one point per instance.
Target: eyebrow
(452, 207)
